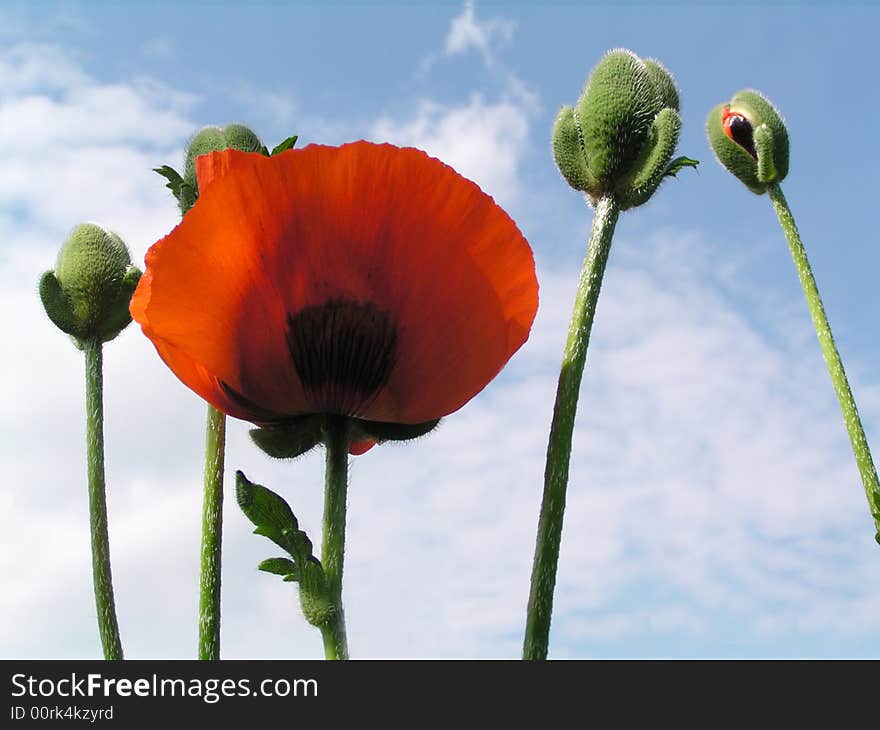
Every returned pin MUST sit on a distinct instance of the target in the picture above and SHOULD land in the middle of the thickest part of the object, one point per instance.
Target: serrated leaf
(678, 164)
(173, 177)
(287, 144)
(273, 519)
(267, 510)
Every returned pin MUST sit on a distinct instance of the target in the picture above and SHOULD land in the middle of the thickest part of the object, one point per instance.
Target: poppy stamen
(343, 352)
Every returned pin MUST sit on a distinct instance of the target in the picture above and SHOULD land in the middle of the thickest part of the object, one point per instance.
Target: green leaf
(273, 518)
(264, 151)
(280, 566)
(287, 144)
(678, 164)
(263, 507)
(173, 177)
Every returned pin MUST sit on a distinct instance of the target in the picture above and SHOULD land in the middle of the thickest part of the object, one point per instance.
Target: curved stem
(559, 448)
(212, 535)
(101, 574)
(832, 356)
(333, 543)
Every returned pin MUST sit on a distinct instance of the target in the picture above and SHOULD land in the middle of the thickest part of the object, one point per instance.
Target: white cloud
(466, 32)
(481, 140)
(484, 138)
(77, 149)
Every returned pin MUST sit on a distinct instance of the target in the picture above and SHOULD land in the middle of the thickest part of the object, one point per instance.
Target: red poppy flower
(365, 280)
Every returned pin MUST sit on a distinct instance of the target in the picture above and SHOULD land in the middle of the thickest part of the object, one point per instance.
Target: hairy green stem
(559, 448)
(212, 536)
(832, 356)
(101, 574)
(333, 543)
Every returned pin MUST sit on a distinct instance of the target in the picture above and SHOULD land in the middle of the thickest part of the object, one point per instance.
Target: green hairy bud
(749, 138)
(209, 139)
(618, 140)
(88, 294)
(217, 139)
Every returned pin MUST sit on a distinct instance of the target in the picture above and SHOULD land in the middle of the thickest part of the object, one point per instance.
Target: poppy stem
(540, 607)
(101, 574)
(337, 438)
(832, 356)
(212, 535)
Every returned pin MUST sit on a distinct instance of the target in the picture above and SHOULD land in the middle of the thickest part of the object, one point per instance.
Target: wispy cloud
(467, 33)
(482, 140)
(483, 137)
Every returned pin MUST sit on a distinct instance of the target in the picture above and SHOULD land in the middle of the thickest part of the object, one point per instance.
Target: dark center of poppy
(343, 352)
(739, 129)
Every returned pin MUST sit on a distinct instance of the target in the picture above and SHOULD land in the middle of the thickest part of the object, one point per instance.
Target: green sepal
(119, 316)
(764, 147)
(379, 431)
(287, 144)
(568, 151)
(57, 305)
(616, 112)
(290, 439)
(664, 83)
(649, 168)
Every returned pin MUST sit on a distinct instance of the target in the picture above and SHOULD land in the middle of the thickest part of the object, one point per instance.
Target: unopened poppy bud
(749, 138)
(619, 138)
(217, 139)
(88, 294)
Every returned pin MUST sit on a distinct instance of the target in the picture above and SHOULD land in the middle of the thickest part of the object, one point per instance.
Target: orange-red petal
(365, 223)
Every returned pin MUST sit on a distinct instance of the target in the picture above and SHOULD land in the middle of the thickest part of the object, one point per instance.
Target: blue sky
(714, 506)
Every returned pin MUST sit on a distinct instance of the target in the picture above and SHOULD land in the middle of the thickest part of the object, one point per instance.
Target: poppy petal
(204, 297)
(368, 248)
(357, 448)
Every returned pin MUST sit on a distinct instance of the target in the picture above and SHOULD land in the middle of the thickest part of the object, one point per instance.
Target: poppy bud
(217, 139)
(620, 136)
(749, 138)
(88, 294)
